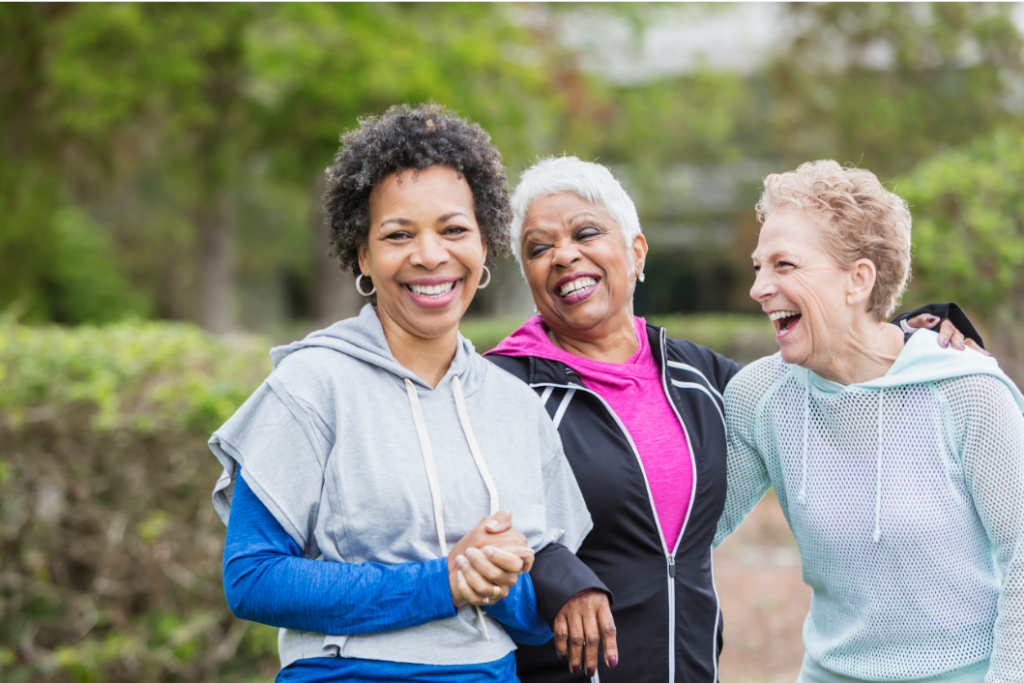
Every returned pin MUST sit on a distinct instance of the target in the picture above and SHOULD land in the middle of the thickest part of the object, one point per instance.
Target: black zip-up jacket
(667, 616)
(665, 605)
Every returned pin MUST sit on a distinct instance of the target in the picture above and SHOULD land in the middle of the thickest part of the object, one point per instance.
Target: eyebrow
(532, 230)
(406, 221)
(449, 216)
(580, 213)
(772, 256)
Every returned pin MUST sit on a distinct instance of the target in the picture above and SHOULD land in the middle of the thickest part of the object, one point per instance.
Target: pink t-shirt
(635, 392)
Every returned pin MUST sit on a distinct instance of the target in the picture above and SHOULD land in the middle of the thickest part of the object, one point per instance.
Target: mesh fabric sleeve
(746, 475)
(991, 430)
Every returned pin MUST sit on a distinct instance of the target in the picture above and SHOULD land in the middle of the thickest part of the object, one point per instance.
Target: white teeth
(434, 291)
(779, 315)
(579, 283)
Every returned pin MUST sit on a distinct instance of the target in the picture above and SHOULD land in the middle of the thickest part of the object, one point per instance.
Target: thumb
(499, 522)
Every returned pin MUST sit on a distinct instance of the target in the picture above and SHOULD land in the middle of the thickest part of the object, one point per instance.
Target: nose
(430, 252)
(565, 255)
(763, 287)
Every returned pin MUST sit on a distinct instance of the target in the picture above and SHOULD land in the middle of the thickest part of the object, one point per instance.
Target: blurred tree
(968, 208)
(883, 85)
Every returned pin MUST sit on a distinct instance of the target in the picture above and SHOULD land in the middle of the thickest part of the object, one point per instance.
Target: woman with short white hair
(641, 422)
(899, 465)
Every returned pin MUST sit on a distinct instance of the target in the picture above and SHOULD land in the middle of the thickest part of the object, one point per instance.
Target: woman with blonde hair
(899, 464)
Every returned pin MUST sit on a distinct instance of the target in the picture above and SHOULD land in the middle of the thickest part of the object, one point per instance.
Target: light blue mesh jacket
(906, 497)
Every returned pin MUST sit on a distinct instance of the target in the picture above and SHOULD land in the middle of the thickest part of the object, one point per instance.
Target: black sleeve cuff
(950, 310)
(558, 576)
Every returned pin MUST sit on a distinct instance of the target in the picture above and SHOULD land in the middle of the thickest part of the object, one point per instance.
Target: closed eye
(535, 250)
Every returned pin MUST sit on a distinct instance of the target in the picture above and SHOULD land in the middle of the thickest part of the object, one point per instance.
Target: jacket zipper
(669, 555)
(686, 521)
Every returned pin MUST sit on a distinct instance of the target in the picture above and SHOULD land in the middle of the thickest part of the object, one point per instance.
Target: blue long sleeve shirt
(267, 580)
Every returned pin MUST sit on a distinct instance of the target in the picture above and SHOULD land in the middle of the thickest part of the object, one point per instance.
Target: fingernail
(932, 319)
(575, 669)
(492, 524)
(591, 671)
(944, 342)
(459, 574)
(560, 655)
(488, 551)
(469, 552)
(986, 352)
(613, 661)
(459, 561)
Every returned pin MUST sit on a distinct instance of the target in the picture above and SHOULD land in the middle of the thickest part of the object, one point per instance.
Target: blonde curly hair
(858, 218)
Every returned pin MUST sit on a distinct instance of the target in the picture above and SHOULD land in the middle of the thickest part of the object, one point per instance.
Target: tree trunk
(216, 224)
(334, 292)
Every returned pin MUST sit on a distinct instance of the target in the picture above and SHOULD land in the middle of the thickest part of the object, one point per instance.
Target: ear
(639, 252)
(861, 281)
(364, 259)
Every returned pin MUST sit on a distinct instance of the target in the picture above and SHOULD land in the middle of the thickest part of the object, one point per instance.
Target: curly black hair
(405, 138)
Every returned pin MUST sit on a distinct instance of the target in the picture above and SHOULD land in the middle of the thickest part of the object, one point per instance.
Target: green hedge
(110, 558)
(110, 564)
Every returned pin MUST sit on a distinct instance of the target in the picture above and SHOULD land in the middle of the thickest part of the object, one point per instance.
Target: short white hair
(588, 181)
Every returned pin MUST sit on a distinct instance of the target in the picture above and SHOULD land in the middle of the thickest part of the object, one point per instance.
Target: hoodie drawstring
(878, 474)
(428, 462)
(802, 496)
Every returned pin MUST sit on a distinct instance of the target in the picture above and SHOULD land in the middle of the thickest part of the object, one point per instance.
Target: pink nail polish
(469, 552)
(488, 551)
(613, 661)
(459, 561)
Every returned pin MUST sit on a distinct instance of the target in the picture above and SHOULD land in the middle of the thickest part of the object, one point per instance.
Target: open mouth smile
(576, 288)
(432, 295)
(785, 322)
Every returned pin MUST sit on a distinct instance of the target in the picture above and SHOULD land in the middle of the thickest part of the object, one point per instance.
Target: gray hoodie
(361, 461)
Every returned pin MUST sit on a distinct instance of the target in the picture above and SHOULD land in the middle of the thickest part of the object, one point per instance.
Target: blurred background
(160, 175)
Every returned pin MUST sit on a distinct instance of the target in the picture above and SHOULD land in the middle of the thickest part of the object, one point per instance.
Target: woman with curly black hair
(363, 476)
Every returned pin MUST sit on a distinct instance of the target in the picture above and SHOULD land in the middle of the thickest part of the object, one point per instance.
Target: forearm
(518, 614)
(267, 580)
(334, 597)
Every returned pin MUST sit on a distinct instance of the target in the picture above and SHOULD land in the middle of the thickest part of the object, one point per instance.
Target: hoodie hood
(923, 360)
(363, 338)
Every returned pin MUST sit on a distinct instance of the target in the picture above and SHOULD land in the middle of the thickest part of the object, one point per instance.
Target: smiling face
(802, 289)
(424, 253)
(579, 268)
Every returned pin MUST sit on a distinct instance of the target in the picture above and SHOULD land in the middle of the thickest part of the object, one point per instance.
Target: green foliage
(883, 85)
(968, 208)
(112, 572)
(143, 377)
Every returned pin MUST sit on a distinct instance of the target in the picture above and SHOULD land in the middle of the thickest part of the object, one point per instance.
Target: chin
(793, 354)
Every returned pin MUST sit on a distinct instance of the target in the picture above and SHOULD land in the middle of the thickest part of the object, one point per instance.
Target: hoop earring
(483, 285)
(359, 287)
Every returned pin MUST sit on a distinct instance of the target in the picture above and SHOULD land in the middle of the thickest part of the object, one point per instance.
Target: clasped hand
(487, 561)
